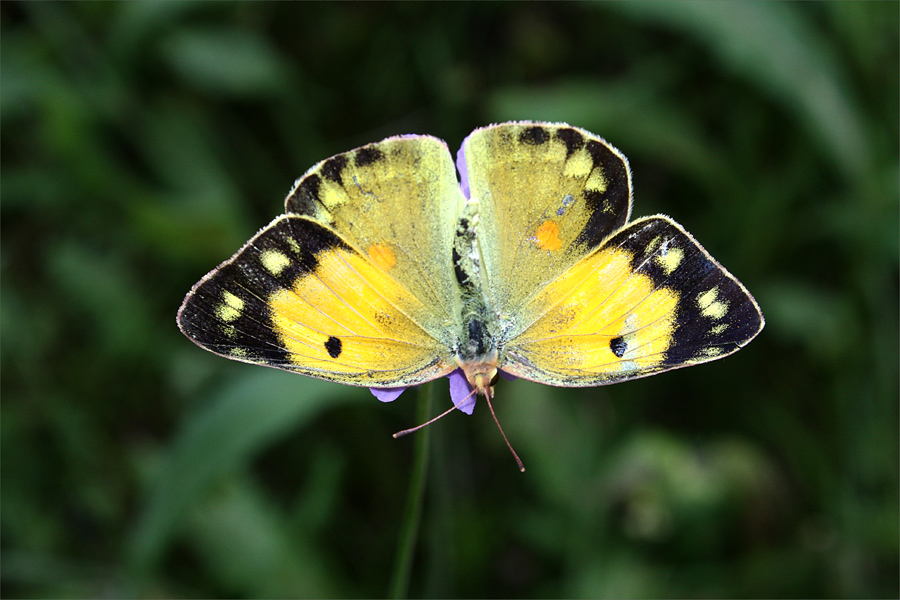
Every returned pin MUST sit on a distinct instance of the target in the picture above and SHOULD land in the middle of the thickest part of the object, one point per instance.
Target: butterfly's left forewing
(648, 300)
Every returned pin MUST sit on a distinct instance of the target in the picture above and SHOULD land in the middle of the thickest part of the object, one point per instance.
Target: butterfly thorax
(476, 350)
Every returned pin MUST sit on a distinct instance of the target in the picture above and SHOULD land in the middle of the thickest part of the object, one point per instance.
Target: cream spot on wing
(708, 297)
(653, 245)
(332, 194)
(630, 324)
(710, 306)
(721, 327)
(231, 307)
(716, 310)
(669, 258)
(596, 182)
(711, 351)
(238, 352)
(578, 166)
(274, 261)
(294, 246)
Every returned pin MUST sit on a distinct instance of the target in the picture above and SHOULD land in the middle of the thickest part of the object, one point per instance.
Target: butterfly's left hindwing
(300, 298)
(648, 300)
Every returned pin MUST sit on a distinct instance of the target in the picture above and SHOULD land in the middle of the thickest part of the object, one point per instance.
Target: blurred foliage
(143, 143)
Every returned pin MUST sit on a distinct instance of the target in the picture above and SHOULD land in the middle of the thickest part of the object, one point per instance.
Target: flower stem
(409, 532)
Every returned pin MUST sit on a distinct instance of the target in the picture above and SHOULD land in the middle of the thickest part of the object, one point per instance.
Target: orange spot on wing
(382, 256)
(546, 237)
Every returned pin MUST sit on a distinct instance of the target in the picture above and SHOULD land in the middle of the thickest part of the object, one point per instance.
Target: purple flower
(462, 168)
(460, 391)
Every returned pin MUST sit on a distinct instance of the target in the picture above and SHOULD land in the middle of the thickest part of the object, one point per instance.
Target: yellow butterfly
(386, 272)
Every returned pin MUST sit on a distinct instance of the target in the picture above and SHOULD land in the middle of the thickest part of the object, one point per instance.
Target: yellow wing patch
(346, 317)
(596, 321)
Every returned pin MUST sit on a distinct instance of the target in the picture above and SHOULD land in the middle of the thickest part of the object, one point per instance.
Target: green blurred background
(143, 143)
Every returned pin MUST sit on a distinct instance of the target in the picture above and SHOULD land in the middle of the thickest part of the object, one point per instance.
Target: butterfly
(386, 271)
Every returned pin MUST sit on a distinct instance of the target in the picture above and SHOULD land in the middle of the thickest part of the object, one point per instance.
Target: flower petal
(459, 389)
(387, 394)
(463, 168)
(507, 376)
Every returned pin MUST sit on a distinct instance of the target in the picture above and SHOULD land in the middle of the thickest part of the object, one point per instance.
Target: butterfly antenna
(493, 414)
(430, 421)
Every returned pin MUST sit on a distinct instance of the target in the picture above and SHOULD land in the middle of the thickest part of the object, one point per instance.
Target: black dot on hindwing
(618, 346)
(333, 346)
